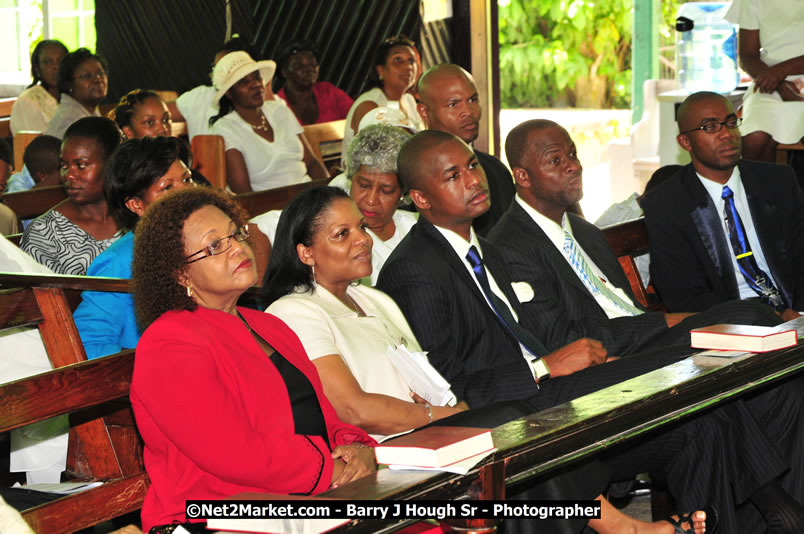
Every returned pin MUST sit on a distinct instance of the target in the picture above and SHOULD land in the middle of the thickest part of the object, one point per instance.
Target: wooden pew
(783, 152)
(209, 156)
(528, 448)
(258, 202)
(325, 139)
(5, 115)
(629, 240)
(104, 444)
(34, 202)
(21, 142)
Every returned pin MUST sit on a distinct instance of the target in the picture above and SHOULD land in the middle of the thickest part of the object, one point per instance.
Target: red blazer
(215, 415)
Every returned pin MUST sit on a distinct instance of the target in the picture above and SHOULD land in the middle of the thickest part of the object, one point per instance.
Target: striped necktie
(594, 284)
(755, 277)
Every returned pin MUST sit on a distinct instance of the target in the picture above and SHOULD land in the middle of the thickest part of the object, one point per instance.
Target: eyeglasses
(714, 127)
(89, 76)
(219, 246)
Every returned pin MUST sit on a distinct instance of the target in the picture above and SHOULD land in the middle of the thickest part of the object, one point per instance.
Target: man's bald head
(450, 102)
(429, 81)
(411, 164)
(516, 144)
(689, 113)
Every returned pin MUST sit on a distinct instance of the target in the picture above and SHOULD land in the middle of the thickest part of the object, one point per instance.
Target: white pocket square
(523, 291)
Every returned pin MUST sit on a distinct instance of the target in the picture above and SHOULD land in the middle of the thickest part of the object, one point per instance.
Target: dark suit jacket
(501, 192)
(452, 320)
(691, 264)
(562, 309)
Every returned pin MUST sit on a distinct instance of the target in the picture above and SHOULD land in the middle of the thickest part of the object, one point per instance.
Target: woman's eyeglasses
(219, 246)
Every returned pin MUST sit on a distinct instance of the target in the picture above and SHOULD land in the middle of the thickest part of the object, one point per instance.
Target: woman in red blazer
(225, 398)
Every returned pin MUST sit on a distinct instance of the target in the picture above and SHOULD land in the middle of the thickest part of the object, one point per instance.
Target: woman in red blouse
(225, 397)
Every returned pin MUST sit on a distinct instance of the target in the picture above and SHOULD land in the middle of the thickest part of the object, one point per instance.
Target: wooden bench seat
(630, 240)
(258, 202)
(527, 448)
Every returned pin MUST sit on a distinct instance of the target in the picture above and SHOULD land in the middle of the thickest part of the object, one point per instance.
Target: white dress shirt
(461, 248)
(555, 233)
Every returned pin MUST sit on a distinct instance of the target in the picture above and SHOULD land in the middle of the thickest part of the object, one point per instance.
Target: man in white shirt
(699, 256)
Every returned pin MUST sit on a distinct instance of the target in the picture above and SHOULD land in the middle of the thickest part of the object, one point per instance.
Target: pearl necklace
(263, 125)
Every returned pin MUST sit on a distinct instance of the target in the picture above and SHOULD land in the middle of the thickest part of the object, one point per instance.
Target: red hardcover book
(743, 337)
(436, 446)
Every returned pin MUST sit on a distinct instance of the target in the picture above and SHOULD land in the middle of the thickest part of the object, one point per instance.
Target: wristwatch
(540, 370)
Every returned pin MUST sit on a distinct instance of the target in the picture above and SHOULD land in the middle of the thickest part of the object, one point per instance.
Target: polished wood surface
(21, 141)
(534, 445)
(209, 157)
(259, 202)
(34, 202)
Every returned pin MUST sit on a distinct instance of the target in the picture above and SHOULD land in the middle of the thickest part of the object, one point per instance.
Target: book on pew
(278, 524)
(743, 337)
(435, 446)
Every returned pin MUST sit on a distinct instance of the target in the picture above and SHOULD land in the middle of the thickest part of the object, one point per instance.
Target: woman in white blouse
(372, 182)
(35, 106)
(265, 144)
(322, 248)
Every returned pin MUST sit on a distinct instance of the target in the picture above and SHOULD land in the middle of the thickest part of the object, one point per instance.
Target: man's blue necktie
(755, 277)
(498, 305)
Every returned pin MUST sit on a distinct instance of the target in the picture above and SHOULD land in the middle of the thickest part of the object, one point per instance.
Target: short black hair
(132, 169)
(71, 62)
(101, 129)
(37, 51)
(410, 155)
(299, 222)
(42, 154)
(5, 153)
(517, 140)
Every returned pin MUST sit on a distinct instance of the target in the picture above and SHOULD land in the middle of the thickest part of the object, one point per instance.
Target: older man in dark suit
(456, 293)
(563, 268)
(727, 228)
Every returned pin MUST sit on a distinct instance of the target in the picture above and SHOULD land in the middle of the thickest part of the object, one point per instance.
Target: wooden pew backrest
(629, 240)
(325, 139)
(209, 155)
(21, 142)
(34, 202)
(258, 202)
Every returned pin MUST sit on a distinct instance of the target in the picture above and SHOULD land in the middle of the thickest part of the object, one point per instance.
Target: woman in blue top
(139, 172)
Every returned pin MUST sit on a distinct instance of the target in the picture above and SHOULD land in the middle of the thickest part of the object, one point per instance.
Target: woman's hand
(790, 92)
(439, 412)
(352, 462)
(769, 80)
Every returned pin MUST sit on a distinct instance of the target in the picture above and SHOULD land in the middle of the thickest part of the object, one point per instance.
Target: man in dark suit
(464, 313)
(540, 241)
(698, 257)
(450, 103)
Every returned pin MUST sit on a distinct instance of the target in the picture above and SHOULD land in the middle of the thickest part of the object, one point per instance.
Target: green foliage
(565, 52)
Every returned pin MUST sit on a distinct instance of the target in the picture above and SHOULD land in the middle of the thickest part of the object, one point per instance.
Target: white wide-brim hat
(235, 66)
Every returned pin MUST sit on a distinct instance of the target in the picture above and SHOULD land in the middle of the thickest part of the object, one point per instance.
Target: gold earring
(190, 291)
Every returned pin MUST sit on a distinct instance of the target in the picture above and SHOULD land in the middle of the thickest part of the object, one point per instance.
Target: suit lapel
(444, 250)
(707, 223)
(541, 244)
(765, 216)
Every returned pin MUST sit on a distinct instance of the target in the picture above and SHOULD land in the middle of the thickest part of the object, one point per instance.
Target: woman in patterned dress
(68, 237)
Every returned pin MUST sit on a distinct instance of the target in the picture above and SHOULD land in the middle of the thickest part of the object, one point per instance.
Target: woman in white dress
(772, 52)
(265, 144)
(322, 248)
(395, 72)
(83, 83)
(35, 106)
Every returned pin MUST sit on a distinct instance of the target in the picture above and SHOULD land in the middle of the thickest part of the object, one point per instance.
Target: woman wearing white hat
(265, 144)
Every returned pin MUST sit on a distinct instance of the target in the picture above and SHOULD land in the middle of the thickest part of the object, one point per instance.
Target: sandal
(711, 521)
